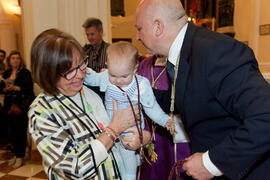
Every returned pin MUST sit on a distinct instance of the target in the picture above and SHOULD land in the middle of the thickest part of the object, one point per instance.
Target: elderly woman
(68, 121)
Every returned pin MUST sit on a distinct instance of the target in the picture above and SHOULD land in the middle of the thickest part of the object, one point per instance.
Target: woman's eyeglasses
(70, 74)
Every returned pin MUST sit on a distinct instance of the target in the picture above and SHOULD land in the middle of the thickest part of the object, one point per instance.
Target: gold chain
(152, 75)
(173, 96)
(173, 84)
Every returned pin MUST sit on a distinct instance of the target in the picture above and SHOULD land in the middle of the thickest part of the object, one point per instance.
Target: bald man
(220, 93)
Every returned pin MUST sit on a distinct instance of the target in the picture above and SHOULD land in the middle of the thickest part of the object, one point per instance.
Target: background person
(3, 128)
(96, 49)
(69, 123)
(220, 93)
(2, 61)
(17, 85)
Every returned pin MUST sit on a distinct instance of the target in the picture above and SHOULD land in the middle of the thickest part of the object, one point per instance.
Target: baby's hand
(103, 69)
(171, 124)
(167, 125)
(87, 71)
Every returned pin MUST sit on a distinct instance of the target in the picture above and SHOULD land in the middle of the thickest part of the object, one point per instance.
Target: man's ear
(158, 27)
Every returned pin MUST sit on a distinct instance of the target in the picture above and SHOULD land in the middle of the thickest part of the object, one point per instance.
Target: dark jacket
(22, 98)
(225, 103)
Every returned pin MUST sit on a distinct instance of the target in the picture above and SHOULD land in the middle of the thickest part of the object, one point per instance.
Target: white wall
(246, 19)
(124, 27)
(10, 28)
(66, 15)
(249, 15)
(264, 41)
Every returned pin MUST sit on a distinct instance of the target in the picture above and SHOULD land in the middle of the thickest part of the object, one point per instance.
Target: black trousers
(18, 133)
(3, 126)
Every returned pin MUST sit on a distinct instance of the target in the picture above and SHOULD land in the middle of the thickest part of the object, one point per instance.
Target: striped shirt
(147, 98)
(97, 55)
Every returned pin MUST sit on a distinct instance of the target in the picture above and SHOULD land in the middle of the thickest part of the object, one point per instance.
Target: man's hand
(194, 167)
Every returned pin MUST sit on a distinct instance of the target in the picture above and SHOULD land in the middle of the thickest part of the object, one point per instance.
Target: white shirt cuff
(100, 152)
(180, 134)
(210, 166)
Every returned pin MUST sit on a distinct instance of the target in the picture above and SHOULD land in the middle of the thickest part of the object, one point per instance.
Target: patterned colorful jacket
(66, 138)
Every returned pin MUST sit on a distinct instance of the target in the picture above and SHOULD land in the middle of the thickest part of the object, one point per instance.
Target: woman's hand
(9, 87)
(132, 142)
(16, 88)
(122, 119)
(120, 122)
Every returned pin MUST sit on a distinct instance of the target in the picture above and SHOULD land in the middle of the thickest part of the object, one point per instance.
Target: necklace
(138, 118)
(116, 170)
(152, 76)
(171, 121)
(89, 108)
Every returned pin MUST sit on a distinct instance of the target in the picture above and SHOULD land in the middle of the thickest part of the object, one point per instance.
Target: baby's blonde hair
(123, 50)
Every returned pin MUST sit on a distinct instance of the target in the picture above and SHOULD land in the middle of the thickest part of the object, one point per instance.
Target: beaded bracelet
(111, 131)
(110, 136)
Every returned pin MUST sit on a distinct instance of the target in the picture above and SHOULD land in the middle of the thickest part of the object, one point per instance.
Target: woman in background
(17, 85)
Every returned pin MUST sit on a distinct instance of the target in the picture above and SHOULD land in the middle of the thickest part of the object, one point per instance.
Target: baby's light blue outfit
(147, 100)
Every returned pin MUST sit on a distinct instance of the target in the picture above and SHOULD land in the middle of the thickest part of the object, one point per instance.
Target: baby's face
(120, 72)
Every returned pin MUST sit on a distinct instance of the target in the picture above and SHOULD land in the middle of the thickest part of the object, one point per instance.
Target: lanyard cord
(172, 126)
(89, 108)
(74, 114)
(138, 119)
(116, 168)
(173, 85)
(82, 100)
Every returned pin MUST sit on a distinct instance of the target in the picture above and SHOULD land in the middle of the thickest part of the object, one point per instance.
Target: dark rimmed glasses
(70, 74)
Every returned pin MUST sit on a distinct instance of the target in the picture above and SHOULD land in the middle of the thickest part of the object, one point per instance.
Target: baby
(121, 83)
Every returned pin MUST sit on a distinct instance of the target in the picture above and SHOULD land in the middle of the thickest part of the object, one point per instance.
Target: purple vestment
(163, 141)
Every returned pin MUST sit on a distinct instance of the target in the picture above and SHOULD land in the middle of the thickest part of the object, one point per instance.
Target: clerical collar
(177, 45)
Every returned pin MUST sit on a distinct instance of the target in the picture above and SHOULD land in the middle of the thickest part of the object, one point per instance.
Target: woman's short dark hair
(51, 56)
(15, 52)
